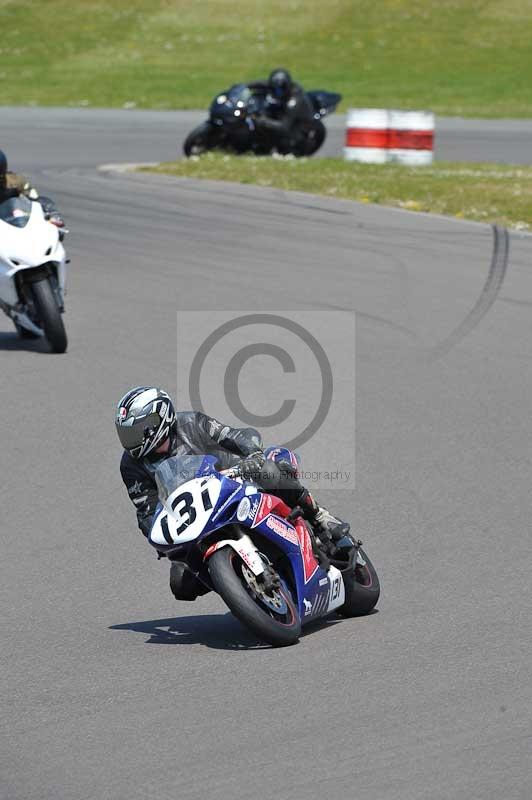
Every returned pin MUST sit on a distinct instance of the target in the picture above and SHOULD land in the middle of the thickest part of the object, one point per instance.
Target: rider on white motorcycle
(150, 430)
(13, 185)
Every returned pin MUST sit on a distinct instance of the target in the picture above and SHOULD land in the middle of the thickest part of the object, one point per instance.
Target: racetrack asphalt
(159, 135)
(113, 690)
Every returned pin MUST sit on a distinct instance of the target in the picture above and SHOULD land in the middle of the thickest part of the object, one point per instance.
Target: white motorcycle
(32, 271)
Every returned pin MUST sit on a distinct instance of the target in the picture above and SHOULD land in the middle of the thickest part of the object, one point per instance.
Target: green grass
(465, 57)
(486, 192)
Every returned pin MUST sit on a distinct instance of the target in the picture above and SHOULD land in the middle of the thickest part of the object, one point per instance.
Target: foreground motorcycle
(230, 125)
(32, 271)
(246, 545)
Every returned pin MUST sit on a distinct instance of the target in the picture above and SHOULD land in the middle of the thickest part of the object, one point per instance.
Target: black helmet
(280, 83)
(3, 168)
(145, 417)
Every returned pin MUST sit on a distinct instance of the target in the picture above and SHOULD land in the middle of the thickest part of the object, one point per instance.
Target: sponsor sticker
(308, 606)
(122, 414)
(243, 509)
(265, 506)
(282, 529)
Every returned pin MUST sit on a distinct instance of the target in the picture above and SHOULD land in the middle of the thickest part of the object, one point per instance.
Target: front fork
(245, 549)
(53, 272)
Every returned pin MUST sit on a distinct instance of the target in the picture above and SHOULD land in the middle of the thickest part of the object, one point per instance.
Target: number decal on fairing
(187, 512)
(337, 590)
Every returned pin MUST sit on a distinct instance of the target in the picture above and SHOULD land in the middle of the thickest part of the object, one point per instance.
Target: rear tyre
(49, 315)
(199, 140)
(279, 627)
(362, 589)
(314, 137)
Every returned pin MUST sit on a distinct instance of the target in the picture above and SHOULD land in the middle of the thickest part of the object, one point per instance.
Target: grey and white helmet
(145, 417)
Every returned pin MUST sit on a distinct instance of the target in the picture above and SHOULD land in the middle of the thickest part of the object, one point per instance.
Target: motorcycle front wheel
(271, 615)
(49, 315)
(199, 140)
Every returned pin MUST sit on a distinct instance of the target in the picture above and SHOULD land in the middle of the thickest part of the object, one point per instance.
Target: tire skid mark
(488, 295)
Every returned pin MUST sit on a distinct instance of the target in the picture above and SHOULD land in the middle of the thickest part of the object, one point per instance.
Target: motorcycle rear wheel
(313, 139)
(226, 570)
(362, 589)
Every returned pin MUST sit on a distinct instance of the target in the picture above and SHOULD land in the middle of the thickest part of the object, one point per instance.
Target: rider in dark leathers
(150, 430)
(288, 109)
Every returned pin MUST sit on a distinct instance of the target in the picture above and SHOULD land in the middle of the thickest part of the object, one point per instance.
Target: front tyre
(272, 615)
(49, 315)
(362, 588)
(199, 140)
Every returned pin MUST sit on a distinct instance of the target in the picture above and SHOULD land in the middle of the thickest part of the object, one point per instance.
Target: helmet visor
(133, 436)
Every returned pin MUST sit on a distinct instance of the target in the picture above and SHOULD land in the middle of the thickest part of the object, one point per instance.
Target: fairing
(25, 248)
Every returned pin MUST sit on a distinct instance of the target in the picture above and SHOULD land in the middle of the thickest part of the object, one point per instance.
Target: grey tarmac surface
(134, 135)
(110, 688)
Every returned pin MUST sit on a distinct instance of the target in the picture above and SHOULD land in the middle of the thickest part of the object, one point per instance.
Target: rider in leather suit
(150, 430)
(288, 109)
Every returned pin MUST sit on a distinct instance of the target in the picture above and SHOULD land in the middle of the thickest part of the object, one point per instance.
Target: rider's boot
(330, 526)
(326, 526)
(183, 583)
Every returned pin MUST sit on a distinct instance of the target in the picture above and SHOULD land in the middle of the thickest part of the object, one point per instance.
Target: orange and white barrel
(411, 137)
(378, 136)
(366, 137)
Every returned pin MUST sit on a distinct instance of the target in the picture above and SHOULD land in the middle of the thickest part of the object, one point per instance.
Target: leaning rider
(287, 108)
(150, 430)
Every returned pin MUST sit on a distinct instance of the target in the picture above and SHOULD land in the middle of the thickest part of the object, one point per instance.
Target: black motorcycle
(231, 125)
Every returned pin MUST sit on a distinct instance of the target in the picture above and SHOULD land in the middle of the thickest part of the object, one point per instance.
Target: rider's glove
(251, 467)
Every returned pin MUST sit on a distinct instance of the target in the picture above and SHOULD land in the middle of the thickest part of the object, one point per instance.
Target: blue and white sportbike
(263, 560)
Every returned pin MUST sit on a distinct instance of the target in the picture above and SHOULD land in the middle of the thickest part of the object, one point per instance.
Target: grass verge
(484, 192)
(459, 57)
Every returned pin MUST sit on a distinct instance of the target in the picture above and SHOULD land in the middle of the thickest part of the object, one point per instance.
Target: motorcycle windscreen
(239, 92)
(16, 211)
(230, 107)
(173, 472)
